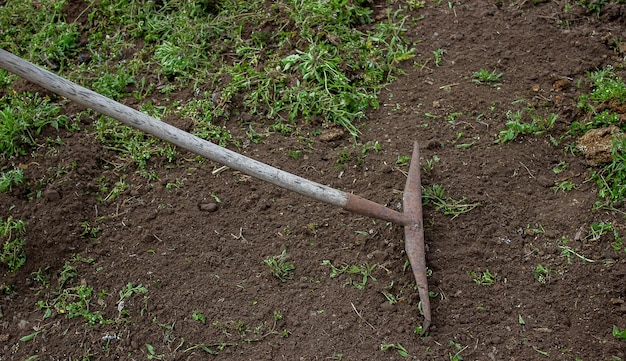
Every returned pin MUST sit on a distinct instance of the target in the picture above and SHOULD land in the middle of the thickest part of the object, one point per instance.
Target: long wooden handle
(162, 130)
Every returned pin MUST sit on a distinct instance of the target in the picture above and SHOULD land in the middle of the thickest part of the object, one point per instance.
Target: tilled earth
(197, 238)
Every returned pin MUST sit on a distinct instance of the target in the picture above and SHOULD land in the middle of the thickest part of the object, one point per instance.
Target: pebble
(208, 207)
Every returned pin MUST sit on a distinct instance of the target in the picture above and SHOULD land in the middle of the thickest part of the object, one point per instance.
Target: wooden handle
(162, 130)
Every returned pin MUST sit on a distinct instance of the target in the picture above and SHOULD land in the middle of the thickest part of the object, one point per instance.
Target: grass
(436, 196)
(606, 89)
(364, 271)
(280, 266)
(22, 118)
(12, 237)
(10, 178)
(485, 278)
(516, 126)
(484, 76)
(288, 74)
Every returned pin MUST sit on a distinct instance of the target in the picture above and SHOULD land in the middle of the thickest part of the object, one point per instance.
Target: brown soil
(195, 257)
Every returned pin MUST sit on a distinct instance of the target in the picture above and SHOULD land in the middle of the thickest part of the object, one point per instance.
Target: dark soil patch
(195, 254)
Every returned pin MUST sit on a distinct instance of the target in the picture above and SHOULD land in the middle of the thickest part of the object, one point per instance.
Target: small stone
(331, 134)
(208, 207)
(52, 195)
(597, 144)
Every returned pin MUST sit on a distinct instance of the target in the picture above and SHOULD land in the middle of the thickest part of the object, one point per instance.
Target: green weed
(617, 333)
(402, 351)
(198, 316)
(515, 126)
(568, 252)
(458, 348)
(280, 267)
(484, 76)
(365, 271)
(22, 118)
(611, 177)
(10, 178)
(89, 231)
(542, 274)
(435, 195)
(11, 236)
(485, 278)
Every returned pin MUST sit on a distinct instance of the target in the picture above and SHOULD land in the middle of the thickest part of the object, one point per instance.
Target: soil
(197, 238)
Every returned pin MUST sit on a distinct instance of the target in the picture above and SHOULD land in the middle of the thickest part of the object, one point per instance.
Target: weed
(152, 355)
(11, 178)
(89, 231)
(516, 127)
(198, 316)
(485, 278)
(429, 164)
(565, 186)
(75, 302)
(402, 351)
(365, 271)
(280, 267)
(619, 334)
(22, 117)
(403, 160)
(11, 233)
(458, 348)
(568, 252)
(113, 85)
(435, 195)
(483, 76)
(40, 276)
(611, 177)
(562, 166)
(438, 56)
(542, 274)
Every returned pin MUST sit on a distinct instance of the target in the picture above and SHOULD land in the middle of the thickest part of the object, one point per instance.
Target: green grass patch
(11, 235)
(317, 59)
(525, 122)
(23, 116)
(436, 195)
(280, 266)
(364, 272)
(608, 91)
(10, 178)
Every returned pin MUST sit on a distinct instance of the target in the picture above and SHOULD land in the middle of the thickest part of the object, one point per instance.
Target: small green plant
(89, 231)
(198, 316)
(429, 164)
(542, 274)
(435, 195)
(564, 186)
(620, 334)
(365, 271)
(11, 178)
(280, 266)
(568, 252)
(22, 118)
(485, 278)
(75, 302)
(515, 126)
(484, 76)
(438, 56)
(611, 178)
(562, 166)
(129, 290)
(403, 160)
(152, 355)
(11, 236)
(458, 348)
(402, 351)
